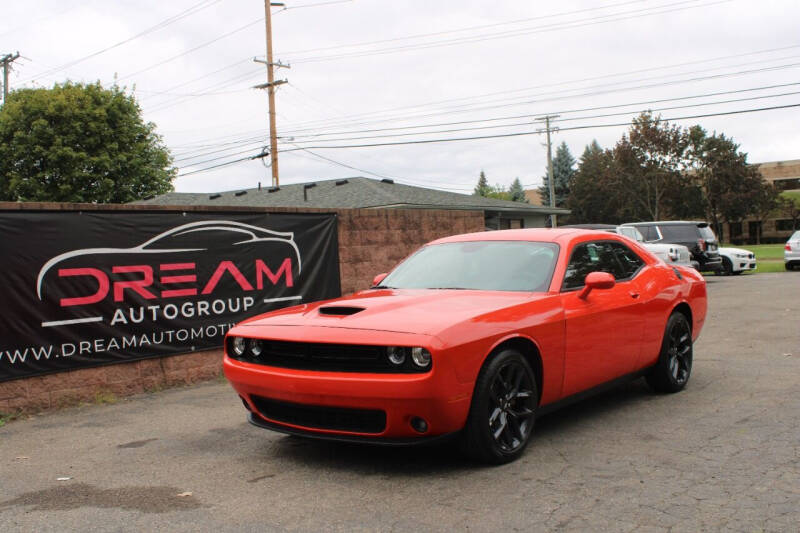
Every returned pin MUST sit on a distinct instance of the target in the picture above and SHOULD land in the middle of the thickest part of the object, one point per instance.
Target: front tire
(727, 267)
(503, 410)
(674, 366)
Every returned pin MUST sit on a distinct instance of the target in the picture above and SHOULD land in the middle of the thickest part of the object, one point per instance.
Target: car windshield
(481, 265)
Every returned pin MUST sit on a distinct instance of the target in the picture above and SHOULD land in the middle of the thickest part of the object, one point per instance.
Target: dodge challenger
(473, 337)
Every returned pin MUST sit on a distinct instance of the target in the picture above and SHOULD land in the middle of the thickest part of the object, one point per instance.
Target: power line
(515, 33)
(459, 30)
(559, 95)
(517, 134)
(505, 135)
(606, 115)
(164, 23)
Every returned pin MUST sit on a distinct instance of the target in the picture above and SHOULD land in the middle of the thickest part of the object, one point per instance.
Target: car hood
(400, 310)
(728, 250)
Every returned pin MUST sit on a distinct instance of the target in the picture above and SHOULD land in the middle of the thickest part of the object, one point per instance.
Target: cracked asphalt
(722, 455)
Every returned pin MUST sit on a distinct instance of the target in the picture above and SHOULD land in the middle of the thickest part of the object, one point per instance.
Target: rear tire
(503, 409)
(674, 366)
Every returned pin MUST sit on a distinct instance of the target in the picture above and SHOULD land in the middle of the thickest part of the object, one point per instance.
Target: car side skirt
(588, 393)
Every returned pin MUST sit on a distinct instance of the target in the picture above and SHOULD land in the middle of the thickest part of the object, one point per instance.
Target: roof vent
(273, 189)
(387, 180)
(149, 197)
(305, 190)
(214, 196)
(339, 310)
(341, 182)
(241, 193)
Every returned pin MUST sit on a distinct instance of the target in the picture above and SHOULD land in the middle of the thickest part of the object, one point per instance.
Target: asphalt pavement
(724, 454)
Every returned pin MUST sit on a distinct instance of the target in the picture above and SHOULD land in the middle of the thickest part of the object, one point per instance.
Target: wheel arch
(686, 310)
(529, 349)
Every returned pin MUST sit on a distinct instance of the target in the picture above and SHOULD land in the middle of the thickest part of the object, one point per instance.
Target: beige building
(786, 176)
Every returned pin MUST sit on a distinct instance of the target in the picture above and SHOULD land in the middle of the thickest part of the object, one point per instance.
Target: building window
(784, 225)
(787, 184)
(754, 229)
(735, 229)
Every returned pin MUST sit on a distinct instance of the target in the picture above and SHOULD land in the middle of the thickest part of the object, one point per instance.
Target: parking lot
(722, 455)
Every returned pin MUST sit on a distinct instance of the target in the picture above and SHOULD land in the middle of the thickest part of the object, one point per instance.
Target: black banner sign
(89, 288)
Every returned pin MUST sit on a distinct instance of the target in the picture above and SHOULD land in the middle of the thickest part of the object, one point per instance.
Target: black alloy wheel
(674, 366)
(503, 409)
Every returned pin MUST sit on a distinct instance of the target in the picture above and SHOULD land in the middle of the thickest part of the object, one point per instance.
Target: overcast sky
(420, 65)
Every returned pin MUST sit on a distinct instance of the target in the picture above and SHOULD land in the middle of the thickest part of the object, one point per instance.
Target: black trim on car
(258, 421)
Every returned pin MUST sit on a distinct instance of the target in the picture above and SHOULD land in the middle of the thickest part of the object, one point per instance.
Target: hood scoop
(339, 310)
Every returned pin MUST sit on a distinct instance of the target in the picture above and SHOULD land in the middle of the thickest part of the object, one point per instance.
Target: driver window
(592, 257)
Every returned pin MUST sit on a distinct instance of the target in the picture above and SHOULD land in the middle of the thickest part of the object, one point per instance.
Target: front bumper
(437, 397)
(712, 264)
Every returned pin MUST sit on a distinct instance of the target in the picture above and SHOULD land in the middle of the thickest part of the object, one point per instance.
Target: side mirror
(596, 280)
(377, 279)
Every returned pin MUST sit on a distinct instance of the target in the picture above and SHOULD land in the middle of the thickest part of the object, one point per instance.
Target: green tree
(731, 188)
(563, 172)
(593, 192)
(516, 192)
(651, 160)
(79, 143)
(482, 188)
(790, 208)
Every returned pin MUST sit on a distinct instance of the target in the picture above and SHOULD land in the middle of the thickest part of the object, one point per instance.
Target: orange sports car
(472, 336)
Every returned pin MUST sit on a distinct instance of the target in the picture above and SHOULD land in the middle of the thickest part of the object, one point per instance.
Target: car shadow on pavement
(444, 457)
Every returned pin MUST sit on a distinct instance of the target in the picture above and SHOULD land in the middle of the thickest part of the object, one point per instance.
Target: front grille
(325, 357)
(322, 417)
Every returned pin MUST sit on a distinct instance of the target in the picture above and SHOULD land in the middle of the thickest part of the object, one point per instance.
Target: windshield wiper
(450, 288)
(382, 287)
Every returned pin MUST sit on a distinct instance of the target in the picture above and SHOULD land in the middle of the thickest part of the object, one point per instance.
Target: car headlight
(421, 357)
(239, 346)
(741, 256)
(256, 347)
(396, 355)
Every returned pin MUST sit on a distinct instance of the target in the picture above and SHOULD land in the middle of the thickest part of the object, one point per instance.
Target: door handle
(634, 294)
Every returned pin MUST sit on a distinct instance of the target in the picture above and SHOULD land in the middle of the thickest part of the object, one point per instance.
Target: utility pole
(6, 62)
(270, 87)
(551, 185)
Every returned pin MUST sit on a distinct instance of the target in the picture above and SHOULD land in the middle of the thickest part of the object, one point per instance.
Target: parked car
(671, 254)
(697, 236)
(736, 260)
(473, 336)
(791, 252)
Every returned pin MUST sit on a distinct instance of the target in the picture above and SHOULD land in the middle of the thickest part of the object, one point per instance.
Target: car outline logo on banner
(255, 233)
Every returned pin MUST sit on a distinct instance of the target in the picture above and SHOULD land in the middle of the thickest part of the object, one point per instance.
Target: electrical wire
(196, 8)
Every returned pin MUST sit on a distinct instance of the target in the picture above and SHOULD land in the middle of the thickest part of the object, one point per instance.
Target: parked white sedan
(736, 260)
(791, 252)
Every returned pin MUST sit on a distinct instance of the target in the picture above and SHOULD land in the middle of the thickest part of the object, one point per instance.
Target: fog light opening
(246, 405)
(419, 425)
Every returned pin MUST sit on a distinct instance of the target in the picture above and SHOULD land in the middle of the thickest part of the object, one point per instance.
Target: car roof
(531, 234)
(591, 226)
(699, 223)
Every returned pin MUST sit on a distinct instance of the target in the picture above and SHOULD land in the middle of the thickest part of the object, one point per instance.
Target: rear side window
(648, 232)
(612, 257)
(679, 233)
(707, 233)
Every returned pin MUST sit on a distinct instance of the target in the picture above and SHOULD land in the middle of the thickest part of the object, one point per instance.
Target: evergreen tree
(483, 188)
(563, 172)
(516, 192)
